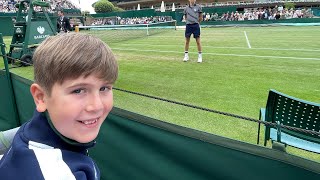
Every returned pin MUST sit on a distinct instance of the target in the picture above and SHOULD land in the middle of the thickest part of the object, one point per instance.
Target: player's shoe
(199, 58)
(186, 58)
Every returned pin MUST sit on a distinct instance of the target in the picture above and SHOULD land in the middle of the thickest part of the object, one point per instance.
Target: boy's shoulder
(35, 158)
(19, 157)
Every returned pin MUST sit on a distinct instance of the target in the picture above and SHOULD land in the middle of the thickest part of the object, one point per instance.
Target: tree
(103, 6)
(85, 13)
(117, 9)
(289, 5)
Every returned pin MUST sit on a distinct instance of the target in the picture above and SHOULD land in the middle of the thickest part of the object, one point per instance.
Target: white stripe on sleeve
(51, 163)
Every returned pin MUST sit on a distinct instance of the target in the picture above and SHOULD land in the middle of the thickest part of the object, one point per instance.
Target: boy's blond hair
(71, 55)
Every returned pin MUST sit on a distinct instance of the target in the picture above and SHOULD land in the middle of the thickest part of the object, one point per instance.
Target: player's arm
(200, 14)
(200, 17)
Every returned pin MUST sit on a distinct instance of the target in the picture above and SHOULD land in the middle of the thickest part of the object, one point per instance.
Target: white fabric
(51, 163)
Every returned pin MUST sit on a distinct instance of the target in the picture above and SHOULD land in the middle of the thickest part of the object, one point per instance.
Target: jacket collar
(40, 129)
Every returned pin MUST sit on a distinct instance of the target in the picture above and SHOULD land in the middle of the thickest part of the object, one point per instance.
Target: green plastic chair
(294, 112)
(6, 138)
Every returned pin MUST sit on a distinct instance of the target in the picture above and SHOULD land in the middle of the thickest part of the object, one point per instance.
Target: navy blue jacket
(38, 152)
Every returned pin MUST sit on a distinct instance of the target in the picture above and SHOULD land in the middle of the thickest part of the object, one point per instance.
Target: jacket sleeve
(20, 164)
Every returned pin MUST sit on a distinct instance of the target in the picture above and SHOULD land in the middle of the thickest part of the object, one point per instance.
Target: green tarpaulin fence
(7, 116)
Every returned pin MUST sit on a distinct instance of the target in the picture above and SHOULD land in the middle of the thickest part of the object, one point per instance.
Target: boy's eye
(77, 91)
(105, 88)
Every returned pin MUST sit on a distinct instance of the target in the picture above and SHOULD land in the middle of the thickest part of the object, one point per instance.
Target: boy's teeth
(89, 122)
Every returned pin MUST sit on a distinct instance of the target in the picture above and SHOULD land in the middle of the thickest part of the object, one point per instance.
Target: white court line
(182, 37)
(220, 54)
(249, 46)
(223, 35)
(275, 49)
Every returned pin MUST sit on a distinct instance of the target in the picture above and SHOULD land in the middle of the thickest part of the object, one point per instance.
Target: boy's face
(78, 107)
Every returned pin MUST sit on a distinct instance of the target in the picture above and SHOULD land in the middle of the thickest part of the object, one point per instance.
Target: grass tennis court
(233, 77)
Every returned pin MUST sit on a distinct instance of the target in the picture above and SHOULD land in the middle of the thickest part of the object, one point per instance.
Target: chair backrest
(294, 112)
(6, 138)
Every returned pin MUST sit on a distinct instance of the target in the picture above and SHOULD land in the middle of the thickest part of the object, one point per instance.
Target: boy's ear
(38, 94)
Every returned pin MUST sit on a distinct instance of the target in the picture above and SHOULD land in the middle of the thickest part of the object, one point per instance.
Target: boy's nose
(95, 103)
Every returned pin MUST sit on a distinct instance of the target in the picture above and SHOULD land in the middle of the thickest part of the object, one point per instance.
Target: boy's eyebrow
(84, 84)
(77, 84)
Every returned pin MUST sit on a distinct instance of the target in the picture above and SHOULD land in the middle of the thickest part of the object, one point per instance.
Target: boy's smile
(90, 123)
(78, 107)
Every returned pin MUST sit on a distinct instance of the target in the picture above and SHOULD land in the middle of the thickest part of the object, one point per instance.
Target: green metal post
(28, 25)
(3, 52)
(21, 7)
(49, 21)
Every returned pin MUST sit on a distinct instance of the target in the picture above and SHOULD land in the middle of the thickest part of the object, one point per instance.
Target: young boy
(72, 90)
(193, 16)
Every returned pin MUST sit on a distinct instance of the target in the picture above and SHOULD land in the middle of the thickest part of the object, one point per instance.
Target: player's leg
(186, 48)
(188, 33)
(196, 35)
(199, 49)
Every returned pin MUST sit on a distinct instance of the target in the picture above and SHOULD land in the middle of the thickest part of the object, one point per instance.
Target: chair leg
(258, 133)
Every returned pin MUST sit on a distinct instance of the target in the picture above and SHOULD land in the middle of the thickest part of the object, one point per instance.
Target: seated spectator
(207, 17)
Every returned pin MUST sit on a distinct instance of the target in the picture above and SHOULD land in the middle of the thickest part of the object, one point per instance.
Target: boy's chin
(86, 140)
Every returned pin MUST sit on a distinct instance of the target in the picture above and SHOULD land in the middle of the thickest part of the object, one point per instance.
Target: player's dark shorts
(192, 29)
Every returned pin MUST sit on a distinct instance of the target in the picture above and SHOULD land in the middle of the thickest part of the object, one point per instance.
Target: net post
(147, 29)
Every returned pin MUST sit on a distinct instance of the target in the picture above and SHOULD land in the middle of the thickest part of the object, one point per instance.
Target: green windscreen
(24, 100)
(131, 146)
(7, 116)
